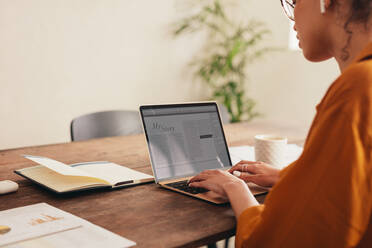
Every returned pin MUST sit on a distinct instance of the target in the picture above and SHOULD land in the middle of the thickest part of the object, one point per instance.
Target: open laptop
(184, 140)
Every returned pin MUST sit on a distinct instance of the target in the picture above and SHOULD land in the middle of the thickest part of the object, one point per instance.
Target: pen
(235, 173)
(219, 161)
(125, 182)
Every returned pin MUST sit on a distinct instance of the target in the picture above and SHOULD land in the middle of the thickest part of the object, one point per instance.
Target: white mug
(270, 149)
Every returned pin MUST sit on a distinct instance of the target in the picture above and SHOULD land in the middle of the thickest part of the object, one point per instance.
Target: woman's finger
(240, 163)
(200, 184)
(251, 167)
(200, 177)
(247, 177)
(246, 162)
(237, 167)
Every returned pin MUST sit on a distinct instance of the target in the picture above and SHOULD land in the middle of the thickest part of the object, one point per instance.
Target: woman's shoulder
(357, 78)
(351, 95)
(348, 102)
(352, 86)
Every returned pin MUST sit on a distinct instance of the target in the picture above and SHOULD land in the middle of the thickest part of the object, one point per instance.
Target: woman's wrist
(235, 187)
(240, 196)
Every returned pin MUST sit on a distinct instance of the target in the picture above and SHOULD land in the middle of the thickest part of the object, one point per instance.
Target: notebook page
(58, 182)
(111, 172)
(62, 168)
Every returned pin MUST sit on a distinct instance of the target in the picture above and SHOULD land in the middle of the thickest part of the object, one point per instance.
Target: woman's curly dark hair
(360, 11)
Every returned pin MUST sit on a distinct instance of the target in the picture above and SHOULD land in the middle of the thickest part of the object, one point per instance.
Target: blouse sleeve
(324, 199)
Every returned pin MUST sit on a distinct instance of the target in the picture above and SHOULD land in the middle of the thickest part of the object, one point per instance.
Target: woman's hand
(257, 172)
(214, 180)
(226, 185)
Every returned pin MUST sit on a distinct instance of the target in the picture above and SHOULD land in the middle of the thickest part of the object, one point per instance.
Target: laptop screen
(184, 139)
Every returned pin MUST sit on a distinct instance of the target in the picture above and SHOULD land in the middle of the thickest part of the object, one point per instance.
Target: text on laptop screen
(185, 140)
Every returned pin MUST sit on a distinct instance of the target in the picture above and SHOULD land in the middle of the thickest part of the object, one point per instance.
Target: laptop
(184, 140)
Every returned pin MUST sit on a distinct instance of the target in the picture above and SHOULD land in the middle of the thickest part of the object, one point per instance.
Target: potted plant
(229, 48)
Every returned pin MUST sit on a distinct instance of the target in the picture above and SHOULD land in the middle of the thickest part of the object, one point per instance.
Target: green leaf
(181, 29)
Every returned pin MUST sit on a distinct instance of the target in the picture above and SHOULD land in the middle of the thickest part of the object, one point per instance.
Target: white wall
(286, 85)
(63, 58)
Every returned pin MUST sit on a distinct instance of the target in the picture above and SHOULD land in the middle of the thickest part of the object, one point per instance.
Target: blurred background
(63, 58)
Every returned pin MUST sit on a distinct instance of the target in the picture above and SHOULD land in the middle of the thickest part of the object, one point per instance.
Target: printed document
(41, 225)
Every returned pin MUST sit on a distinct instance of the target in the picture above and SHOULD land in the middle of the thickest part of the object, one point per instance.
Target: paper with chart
(31, 222)
(41, 225)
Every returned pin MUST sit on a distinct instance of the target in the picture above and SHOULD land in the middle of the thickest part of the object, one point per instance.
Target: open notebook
(62, 178)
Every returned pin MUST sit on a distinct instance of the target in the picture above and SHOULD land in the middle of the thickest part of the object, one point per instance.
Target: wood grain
(146, 214)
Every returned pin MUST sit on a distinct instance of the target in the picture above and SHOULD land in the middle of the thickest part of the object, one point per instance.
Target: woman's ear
(327, 3)
(324, 4)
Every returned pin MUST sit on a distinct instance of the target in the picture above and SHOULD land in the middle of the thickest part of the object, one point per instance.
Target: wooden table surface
(149, 215)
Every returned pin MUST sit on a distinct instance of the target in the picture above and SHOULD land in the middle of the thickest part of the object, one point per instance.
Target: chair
(105, 124)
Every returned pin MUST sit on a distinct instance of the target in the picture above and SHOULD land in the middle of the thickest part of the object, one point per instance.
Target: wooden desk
(146, 214)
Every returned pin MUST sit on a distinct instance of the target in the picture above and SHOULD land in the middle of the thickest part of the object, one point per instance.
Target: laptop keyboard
(182, 185)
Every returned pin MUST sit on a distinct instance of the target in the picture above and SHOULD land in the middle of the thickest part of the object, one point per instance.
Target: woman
(324, 199)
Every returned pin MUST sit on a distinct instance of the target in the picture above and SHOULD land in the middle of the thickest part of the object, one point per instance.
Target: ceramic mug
(270, 149)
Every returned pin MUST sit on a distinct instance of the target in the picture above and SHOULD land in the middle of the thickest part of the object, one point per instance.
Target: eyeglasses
(288, 6)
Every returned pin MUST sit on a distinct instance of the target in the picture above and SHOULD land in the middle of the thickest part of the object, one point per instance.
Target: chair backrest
(105, 124)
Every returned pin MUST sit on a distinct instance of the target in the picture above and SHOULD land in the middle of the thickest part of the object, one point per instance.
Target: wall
(63, 58)
(286, 85)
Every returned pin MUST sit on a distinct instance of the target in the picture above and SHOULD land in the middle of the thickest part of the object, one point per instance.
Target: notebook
(184, 140)
(62, 178)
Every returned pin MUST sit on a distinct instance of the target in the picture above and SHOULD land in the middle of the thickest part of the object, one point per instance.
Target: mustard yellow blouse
(324, 199)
